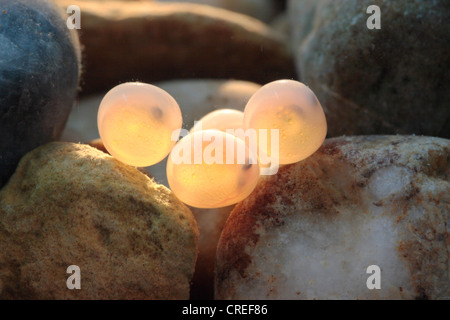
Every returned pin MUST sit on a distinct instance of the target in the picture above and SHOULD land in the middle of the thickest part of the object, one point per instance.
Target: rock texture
(70, 204)
(39, 72)
(392, 80)
(311, 231)
(127, 41)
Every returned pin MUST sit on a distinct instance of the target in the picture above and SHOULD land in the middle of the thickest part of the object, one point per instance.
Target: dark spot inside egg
(246, 166)
(157, 112)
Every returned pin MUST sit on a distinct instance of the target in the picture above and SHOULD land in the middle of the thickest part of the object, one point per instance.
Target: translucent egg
(293, 109)
(212, 169)
(222, 119)
(136, 121)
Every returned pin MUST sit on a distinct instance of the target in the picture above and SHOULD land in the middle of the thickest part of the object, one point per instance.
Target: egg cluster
(218, 163)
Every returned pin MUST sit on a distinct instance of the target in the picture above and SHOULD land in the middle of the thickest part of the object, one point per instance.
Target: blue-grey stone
(39, 72)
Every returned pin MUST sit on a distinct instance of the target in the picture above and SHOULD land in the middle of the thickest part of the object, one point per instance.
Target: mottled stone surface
(392, 80)
(128, 41)
(311, 231)
(70, 204)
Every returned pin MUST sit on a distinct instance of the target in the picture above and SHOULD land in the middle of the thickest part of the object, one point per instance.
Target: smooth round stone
(211, 169)
(293, 110)
(39, 72)
(392, 80)
(136, 122)
(311, 231)
(153, 42)
(68, 203)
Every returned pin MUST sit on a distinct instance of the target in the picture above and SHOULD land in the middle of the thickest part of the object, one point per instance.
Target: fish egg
(212, 169)
(292, 109)
(136, 121)
(222, 119)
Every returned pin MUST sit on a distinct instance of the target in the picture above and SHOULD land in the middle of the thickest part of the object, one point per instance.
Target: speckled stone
(311, 231)
(70, 204)
(393, 80)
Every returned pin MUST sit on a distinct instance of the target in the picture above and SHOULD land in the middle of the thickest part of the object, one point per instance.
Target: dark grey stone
(39, 72)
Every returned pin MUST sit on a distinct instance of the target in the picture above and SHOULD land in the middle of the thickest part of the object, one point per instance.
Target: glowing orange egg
(222, 119)
(293, 110)
(136, 121)
(212, 169)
